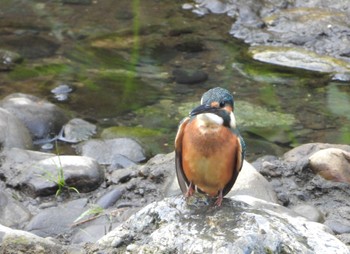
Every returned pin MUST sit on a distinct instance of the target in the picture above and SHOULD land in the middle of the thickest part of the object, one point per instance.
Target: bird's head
(216, 102)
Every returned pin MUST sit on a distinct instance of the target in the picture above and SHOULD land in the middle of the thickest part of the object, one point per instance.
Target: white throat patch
(208, 119)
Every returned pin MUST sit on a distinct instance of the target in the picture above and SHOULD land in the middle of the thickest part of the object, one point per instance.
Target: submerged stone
(8, 59)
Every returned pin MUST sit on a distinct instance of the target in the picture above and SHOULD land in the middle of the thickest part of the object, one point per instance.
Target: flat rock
(42, 118)
(237, 227)
(299, 58)
(13, 132)
(332, 164)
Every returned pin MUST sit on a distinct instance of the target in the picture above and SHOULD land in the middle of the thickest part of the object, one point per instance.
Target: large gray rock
(41, 117)
(37, 173)
(241, 225)
(13, 133)
(108, 151)
(18, 241)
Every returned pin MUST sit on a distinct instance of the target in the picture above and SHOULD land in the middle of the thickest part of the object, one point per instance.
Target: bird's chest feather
(208, 155)
(206, 139)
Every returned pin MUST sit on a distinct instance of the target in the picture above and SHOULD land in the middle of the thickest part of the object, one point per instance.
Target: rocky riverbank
(108, 199)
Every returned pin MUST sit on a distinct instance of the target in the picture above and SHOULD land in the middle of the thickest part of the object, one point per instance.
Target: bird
(209, 150)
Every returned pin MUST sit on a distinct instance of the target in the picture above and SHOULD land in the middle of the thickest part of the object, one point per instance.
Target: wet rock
(37, 173)
(332, 164)
(41, 117)
(164, 227)
(252, 183)
(110, 197)
(8, 59)
(107, 151)
(182, 76)
(56, 220)
(12, 212)
(309, 212)
(13, 133)
(77, 130)
(61, 92)
(18, 241)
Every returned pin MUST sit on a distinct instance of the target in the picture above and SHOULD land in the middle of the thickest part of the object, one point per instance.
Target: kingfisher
(209, 150)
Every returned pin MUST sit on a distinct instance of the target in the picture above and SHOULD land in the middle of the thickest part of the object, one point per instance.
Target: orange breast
(209, 157)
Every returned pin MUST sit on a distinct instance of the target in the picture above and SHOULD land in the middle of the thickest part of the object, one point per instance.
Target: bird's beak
(202, 109)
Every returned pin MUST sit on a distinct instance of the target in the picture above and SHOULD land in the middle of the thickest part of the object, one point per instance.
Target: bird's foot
(190, 191)
(219, 199)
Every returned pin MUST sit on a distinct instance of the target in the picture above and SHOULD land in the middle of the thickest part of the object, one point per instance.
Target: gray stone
(18, 241)
(41, 117)
(332, 164)
(36, 173)
(56, 220)
(109, 199)
(338, 226)
(13, 133)
(82, 173)
(12, 212)
(106, 151)
(310, 212)
(251, 182)
(77, 130)
(237, 227)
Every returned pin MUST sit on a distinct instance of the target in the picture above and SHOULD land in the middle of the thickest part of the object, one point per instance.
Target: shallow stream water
(126, 62)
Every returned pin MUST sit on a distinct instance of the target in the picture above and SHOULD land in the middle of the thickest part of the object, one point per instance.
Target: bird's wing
(183, 182)
(240, 154)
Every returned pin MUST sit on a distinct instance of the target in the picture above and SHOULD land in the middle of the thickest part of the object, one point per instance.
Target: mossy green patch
(250, 115)
(26, 72)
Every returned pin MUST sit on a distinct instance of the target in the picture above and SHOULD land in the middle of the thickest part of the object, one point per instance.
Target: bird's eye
(222, 104)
